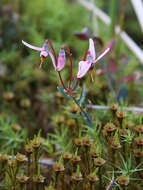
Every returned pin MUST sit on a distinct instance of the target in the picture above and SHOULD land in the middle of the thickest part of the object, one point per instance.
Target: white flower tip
(23, 42)
(90, 40)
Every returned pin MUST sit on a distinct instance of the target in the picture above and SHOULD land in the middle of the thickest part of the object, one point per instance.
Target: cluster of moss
(107, 154)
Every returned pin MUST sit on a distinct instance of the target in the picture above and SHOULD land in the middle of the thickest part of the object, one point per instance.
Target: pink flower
(84, 66)
(44, 51)
(61, 59)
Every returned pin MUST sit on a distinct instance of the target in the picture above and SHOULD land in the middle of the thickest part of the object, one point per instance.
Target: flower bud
(61, 59)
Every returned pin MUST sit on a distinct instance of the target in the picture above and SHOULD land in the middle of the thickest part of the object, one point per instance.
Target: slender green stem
(113, 7)
(121, 24)
(122, 13)
(28, 165)
(82, 110)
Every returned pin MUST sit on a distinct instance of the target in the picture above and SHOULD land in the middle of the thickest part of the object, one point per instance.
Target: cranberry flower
(61, 59)
(59, 63)
(91, 59)
(44, 52)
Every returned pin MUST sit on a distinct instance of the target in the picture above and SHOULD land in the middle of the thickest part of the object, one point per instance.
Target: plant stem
(122, 14)
(61, 80)
(100, 178)
(113, 6)
(56, 63)
(121, 24)
(35, 162)
(85, 56)
(77, 81)
(108, 77)
(28, 166)
(82, 110)
(69, 53)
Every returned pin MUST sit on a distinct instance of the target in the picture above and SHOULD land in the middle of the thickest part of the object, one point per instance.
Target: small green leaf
(83, 95)
(61, 90)
(74, 116)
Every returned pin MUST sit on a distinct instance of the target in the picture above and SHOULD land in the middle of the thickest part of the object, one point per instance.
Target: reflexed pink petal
(81, 36)
(53, 59)
(98, 40)
(112, 65)
(106, 50)
(61, 59)
(128, 78)
(102, 55)
(45, 45)
(92, 49)
(32, 47)
(84, 34)
(109, 45)
(83, 67)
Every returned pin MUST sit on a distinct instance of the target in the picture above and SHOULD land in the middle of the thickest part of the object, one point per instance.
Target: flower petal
(44, 53)
(92, 49)
(61, 59)
(106, 50)
(83, 67)
(45, 46)
(32, 47)
(53, 59)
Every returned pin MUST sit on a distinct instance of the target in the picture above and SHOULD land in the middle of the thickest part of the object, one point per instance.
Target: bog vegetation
(49, 138)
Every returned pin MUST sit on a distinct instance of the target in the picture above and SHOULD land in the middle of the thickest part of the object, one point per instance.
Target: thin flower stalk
(70, 58)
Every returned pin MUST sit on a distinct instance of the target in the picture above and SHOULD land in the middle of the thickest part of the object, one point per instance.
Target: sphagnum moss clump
(88, 163)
